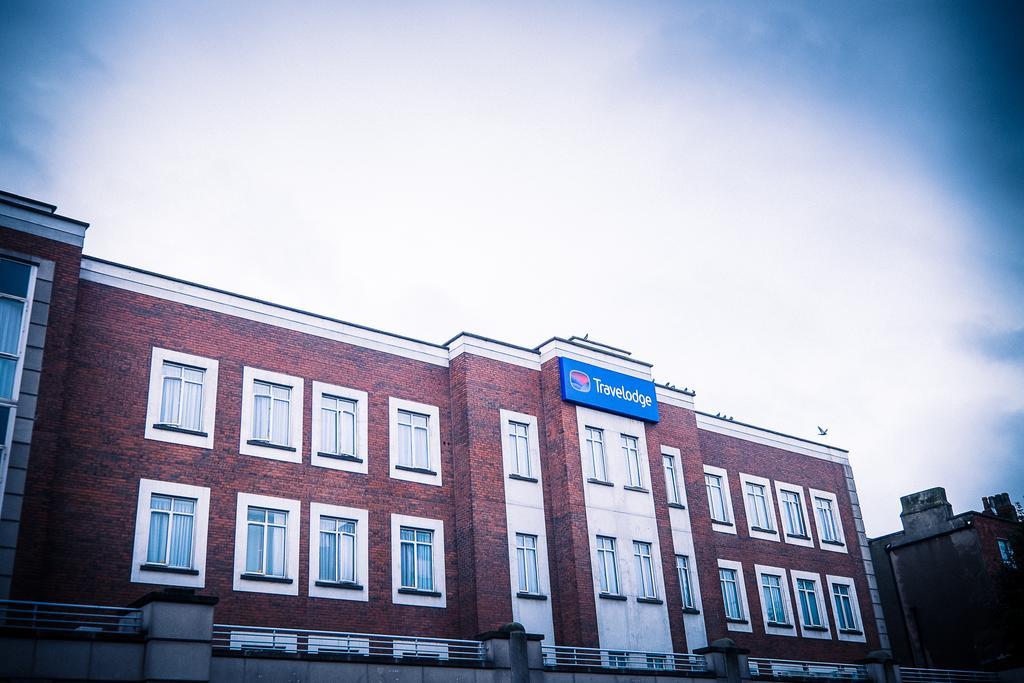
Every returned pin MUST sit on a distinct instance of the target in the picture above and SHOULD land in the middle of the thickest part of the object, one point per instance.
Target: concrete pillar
(882, 667)
(512, 648)
(727, 660)
(178, 627)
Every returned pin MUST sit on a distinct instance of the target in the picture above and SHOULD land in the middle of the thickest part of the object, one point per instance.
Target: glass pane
(261, 388)
(531, 569)
(282, 416)
(422, 457)
(170, 406)
(181, 541)
(160, 503)
(280, 393)
(347, 526)
(158, 522)
(328, 557)
(14, 277)
(408, 534)
(328, 431)
(348, 558)
(348, 433)
(424, 567)
(275, 551)
(405, 445)
(408, 564)
(192, 406)
(254, 548)
(186, 505)
(193, 375)
(521, 557)
(423, 536)
(277, 517)
(261, 418)
(257, 515)
(328, 523)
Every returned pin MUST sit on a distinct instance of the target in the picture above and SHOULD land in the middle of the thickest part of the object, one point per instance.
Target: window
(171, 522)
(266, 537)
(519, 447)
(634, 470)
(182, 399)
(526, 555)
(171, 527)
(826, 521)
(807, 592)
(671, 479)
(595, 451)
(793, 513)
(417, 548)
(730, 593)
(845, 619)
(775, 606)
(607, 571)
(757, 506)
(415, 442)
(716, 497)
(644, 570)
(271, 413)
(15, 282)
(337, 550)
(683, 570)
(337, 425)
(1006, 553)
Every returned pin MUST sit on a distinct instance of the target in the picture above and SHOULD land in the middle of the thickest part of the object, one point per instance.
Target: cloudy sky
(812, 213)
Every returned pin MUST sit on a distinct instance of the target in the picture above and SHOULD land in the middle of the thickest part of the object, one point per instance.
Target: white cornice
(41, 224)
(674, 398)
(466, 343)
(561, 348)
(769, 438)
(232, 304)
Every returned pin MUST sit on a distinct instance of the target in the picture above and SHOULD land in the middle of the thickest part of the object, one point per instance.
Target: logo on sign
(579, 381)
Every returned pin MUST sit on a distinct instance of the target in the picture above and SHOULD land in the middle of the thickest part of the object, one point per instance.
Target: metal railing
(913, 675)
(792, 670)
(565, 657)
(59, 616)
(233, 638)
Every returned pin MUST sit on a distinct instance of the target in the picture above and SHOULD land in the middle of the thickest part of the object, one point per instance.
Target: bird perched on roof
(822, 431)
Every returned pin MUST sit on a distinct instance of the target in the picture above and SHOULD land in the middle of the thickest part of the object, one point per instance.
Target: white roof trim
(768, 438)
(50, 226)
(673, 398)
(222, 302)
(495, 351)
(557, 347)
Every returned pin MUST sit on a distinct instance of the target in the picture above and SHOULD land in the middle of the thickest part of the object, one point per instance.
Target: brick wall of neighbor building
(76, 534)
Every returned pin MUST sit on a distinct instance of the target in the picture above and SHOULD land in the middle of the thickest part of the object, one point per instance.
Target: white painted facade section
(787, 601)
(359, 516)
(742, 625)
(321, 389)
(682, 544)
(769, 438)
(200, 525)
(209, 406)
(296, 398)
(433, 441)
(524, 514)
(291, 562)
(745, 480)
(437, 555)
(626, 516)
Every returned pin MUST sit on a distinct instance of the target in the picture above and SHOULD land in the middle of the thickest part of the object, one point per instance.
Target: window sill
(778, 624)
(531, 596)
(600, 482)
(851, 632)
(736, 621)
(268, 444)
(170, 570)
(417, 470)
(718, 522)
(836, 543)
(799, 537)
(344, 585)
(180, 430)
(691, 610)
(817, 629)
(638, 489)
(762, 530)
(339, 456)
(677, 506)
(650, 601)
(418, 591)
(611, 596)
(264, 577)
(520, 477)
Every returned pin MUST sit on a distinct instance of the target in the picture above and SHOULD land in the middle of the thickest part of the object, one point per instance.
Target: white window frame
(200, 528)
(523, 555)
(507, 417)
(789, 629)
(670, 466)
(840, 545)
(601, 561)
(437, 558)
(772, 533)
(359, 592)
(727, 526)
(291, 561)
(743, 625)
(633, 454)
(336, 462)
(685, 587)
(823, 632)
(1006, 555)
(210, 368)
(855, 635)
(645, 562)
(780, 487)
(588, 453)
(293, 451)
(433, 475)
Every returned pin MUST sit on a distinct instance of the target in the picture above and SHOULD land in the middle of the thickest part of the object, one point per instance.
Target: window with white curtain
(181, 399)
(683, 570)
(774, 605)
(671, 479)
(15, 279)
(595, 452)
(337, 425)
(266, 538)
(271, 413)
(413, 440)
(417, 553)
(634, 468)
(793, 513)
(171, 530)
(826, 520)
(716, 497)
(845, 618)
(644, 570)
(730, 593)
(757, 506)
(806, 590)
(526, 555)
(519, 447)
(607, 567)
(337, 550)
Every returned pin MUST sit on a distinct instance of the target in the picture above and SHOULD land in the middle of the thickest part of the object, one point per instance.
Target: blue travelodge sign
(614, 392)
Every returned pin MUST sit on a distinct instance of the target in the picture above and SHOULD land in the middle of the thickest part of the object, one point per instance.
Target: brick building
(319, 474)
